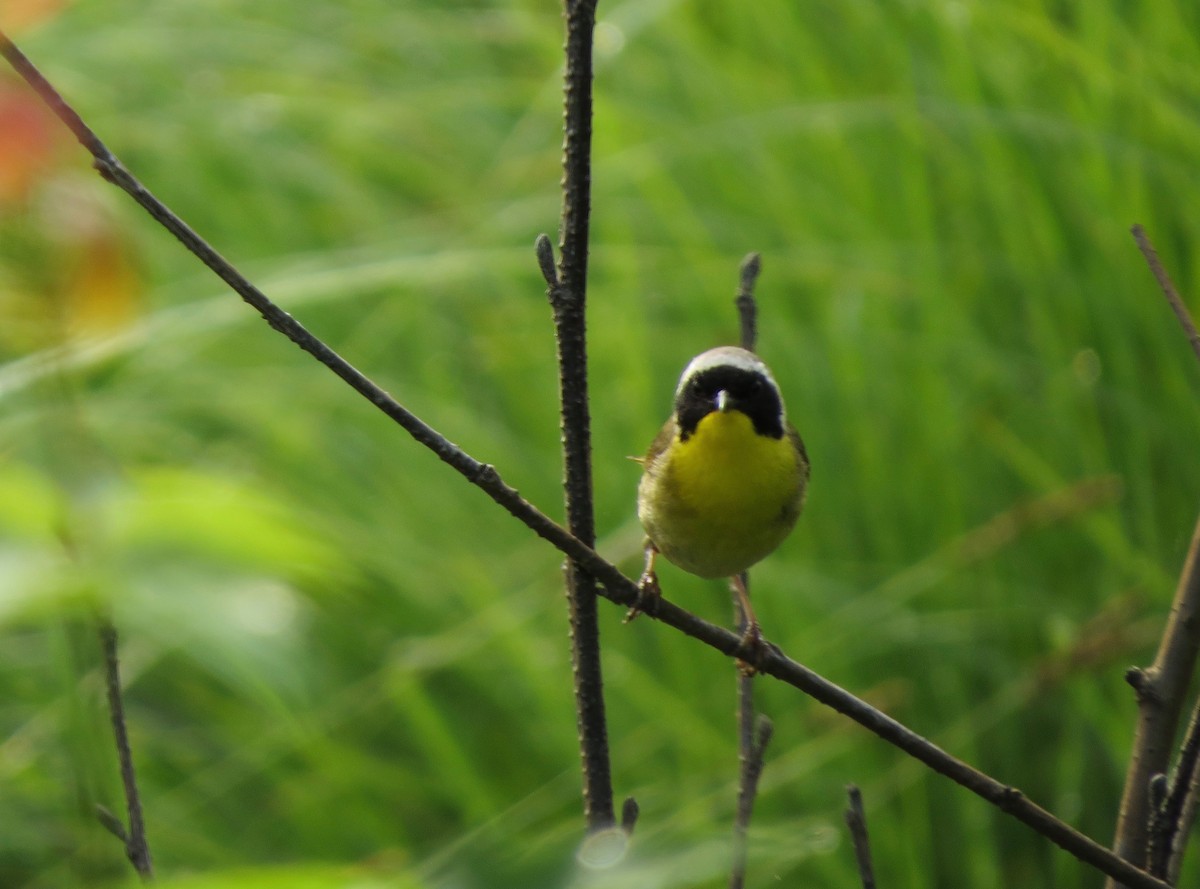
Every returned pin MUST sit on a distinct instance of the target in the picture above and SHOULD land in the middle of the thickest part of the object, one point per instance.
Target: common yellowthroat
(724, 481)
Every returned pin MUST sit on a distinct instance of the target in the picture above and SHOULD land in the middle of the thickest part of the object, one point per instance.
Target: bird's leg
(648, 588)
(752, 637)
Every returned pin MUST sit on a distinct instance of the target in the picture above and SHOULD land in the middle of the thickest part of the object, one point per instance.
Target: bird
(724, 481)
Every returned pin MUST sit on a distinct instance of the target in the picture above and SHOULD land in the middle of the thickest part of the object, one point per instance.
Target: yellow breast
(723, 499)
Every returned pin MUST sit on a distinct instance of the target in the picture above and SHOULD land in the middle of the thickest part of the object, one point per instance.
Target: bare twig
(112, 824)
(1160, 687)
(1168, 288)
(752, 758)
(764, 657)
(856, 820)
(751, 748)
(1187, 817)
(747, 308)
(754, 733)
(1168, 832)
(751, 771)
(137, 850)
(581, 586)
(568, 298)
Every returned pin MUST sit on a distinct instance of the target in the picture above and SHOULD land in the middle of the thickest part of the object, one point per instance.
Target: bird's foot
(649, 592)
(753, 644)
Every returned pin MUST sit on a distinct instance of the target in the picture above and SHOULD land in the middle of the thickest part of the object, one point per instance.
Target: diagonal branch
(1168, 288)
(765, 658)
(479, 474)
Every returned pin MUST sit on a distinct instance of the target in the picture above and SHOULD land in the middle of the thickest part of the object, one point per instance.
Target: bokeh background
(345, 667)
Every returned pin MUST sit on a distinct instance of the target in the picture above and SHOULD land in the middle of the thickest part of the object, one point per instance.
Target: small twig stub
(746, 305)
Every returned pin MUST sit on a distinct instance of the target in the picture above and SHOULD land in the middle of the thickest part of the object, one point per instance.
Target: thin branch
(112, 824)
(754, 734)
(752, 739)
(581, 586)
(758, 736)
(751, 771)
(1168, 831)
(856, 820)
(747, 308)
(1187, 818)
(137, 850)
(764, 657)
(1168, 288)
(1161, 687)
(568, 298)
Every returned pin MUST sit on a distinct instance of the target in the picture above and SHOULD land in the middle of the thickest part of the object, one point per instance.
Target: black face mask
(748, 392)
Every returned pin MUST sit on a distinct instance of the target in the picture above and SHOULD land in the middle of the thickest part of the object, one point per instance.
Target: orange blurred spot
(29, 140)
(101, 293)
(18, 14)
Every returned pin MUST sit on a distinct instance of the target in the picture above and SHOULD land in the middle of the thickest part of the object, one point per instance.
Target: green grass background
(346, 668)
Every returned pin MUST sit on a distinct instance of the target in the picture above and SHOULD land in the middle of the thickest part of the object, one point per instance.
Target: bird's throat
(725, 464)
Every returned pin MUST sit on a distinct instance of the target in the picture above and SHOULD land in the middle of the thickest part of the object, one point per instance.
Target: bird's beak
(724, 402)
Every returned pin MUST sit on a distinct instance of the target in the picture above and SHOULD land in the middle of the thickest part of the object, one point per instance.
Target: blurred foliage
(345, 668)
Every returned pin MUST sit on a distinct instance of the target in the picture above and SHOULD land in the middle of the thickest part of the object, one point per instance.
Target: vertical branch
(752, 738)
(136, 848)
(1161, 687)
(856, 820)
(1183, 827)
(746, 306)
(754, 734)
(752, 766)
(745, 735)
(568, 293)
(1170, 819)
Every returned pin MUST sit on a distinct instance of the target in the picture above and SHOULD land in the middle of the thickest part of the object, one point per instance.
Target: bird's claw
(754, 644)
(649, 592)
